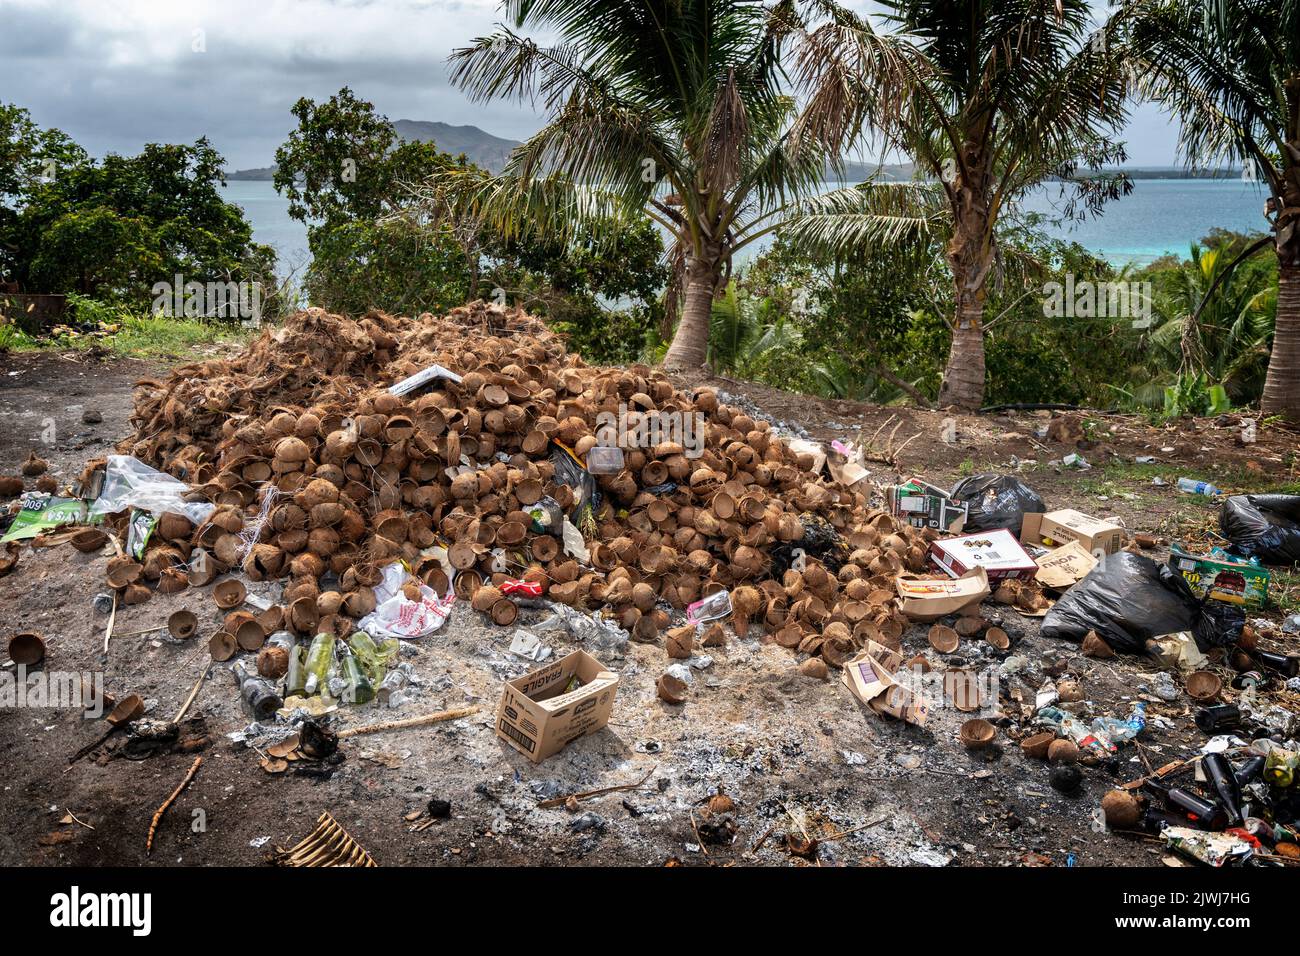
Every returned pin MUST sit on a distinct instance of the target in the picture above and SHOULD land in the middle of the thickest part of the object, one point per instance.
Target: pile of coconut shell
(359, 477)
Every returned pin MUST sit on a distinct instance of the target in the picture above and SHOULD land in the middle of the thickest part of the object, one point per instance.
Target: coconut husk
(229, 593)
(222, 646)
(182, 625)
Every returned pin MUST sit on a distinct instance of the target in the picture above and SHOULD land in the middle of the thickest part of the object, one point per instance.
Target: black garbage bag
(1263, 526)
(820, 540)
(1129, 599)
(996, 501)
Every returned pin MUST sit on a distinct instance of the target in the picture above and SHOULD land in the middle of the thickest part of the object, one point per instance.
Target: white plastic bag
(130, 483)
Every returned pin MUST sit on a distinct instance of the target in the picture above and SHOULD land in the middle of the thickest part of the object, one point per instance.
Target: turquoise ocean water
(1160, 216)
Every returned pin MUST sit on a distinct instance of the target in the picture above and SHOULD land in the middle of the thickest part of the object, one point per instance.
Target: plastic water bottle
(1116, 731)
(1194, 487)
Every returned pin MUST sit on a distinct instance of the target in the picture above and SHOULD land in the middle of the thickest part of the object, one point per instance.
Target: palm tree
(1008, 93)
(1229, 70)
(679, 108)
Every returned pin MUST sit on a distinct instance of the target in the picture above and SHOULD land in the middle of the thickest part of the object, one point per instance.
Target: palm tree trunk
(691, 343)
(1282, 386)
(963, 378)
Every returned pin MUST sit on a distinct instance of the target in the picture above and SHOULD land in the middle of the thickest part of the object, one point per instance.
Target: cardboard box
(997, 552)
(536, 716)
(1065, 566)
(928, 599)
(922, 505)
(1234, 582)
(869, 676)
(1056, 528)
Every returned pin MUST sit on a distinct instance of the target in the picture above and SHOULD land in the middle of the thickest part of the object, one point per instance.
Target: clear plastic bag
(130, 483)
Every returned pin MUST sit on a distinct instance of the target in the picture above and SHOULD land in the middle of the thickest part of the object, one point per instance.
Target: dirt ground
(796, 755)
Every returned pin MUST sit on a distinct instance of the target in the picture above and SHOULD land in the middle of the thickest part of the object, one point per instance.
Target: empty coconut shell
(182, 625)
(1037, 746)
(229, 593)
(272, 662)
(89, 540)
(128, 709)
(504, 612)
(222, 646)
(27, 648)
(976, 734)
(672, 690)
(1094, 646)
(943, 639)
(815, 668)
(997, 638)
(1121, 809)
(1063, 751)
(249, 635)
(1204, 686)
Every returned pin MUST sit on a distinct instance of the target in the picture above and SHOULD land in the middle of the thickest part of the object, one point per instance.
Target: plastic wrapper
(1263, 526)
(592, 630)
(996, 501)
(130, 483)
(395, 615)
(1129, 599)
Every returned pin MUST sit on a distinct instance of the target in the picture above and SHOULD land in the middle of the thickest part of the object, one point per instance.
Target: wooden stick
(560, 801)
(194, 693)
(411, 722)
(108, 631)
(158, 814)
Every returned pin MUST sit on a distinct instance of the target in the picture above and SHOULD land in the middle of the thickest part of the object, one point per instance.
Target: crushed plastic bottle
(1116, 731)
(1193, 487)
(1068, 725)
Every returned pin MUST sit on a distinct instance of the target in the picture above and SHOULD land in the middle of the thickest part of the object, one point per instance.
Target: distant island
(481, 148)
(491, 152)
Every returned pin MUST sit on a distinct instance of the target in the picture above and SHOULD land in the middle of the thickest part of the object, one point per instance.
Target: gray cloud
(117, 75)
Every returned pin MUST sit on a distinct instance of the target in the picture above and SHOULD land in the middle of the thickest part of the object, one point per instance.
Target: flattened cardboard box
(1065, 566)
(928, 599)
(1056, 528)
(538, 719)
(869, 676)
(997, 552)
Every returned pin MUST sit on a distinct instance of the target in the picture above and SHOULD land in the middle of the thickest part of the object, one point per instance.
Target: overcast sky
(115, 74)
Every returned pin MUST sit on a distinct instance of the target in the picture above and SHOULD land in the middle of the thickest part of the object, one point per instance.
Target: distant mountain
(259, 174)
(482, 149)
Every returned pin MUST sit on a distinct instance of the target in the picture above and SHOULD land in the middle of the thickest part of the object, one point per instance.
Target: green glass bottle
(295, 681)
(359, 689)
(1281, 766)
(320, 661)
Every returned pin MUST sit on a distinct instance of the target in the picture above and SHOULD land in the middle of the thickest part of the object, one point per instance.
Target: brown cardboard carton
(1056, 528)
(1065, 566)
(869, 676)
(928, 599)
(537, 717)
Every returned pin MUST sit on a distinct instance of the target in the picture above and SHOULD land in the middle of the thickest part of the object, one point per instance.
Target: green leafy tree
(113, 229)
(1003, 94)
(350, 178)
(1229, 71)
(680, 110)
